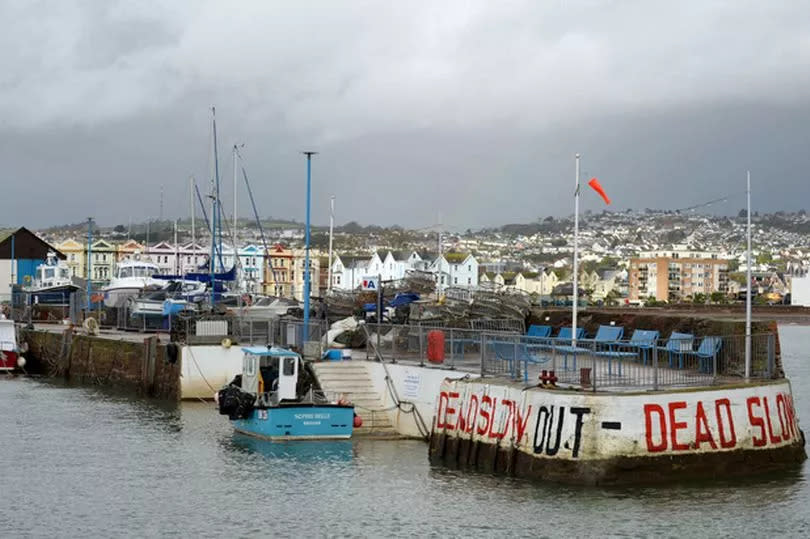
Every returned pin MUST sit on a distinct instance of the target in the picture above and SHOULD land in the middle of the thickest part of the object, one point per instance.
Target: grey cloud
(471, 109)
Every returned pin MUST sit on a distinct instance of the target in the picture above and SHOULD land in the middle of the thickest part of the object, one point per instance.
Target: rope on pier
(200, 370)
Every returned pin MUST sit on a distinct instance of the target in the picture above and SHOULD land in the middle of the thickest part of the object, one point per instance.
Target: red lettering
(774, 439)
(439, 416)
(702, 432)
(781, 412)
(485, 414)
(471, 420)
(675, 426)
(650, 409)
(461, 424)
(791, 415)
(450, 411)
(756, 421)
(506, 424)
(520, 423)
(492, 416)
(725, 443)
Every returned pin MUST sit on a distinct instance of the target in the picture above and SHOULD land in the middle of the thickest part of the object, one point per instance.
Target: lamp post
(576, 255)
(306, 245)
(89, 262)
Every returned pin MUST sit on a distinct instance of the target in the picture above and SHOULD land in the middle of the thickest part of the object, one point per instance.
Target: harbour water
(82, 461)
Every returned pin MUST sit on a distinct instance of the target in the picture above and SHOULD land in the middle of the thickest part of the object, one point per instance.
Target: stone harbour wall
(146, 368)
(615, 438)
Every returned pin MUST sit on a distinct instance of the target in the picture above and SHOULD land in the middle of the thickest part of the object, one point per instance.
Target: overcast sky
(471, 109)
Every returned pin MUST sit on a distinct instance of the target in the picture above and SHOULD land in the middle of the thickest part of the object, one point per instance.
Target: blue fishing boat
(273, 399)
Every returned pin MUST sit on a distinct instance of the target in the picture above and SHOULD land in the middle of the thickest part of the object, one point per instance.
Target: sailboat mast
(193, 212)
(331, 231)
(234, 197)
(217, 218)
(212, 261)
(176, 251)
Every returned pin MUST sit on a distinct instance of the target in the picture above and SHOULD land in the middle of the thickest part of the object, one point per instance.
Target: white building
(451, 269)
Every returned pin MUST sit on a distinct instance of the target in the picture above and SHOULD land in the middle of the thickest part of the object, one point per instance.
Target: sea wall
(207, 368)
(416, 388)
(592, 438)
(145, 367)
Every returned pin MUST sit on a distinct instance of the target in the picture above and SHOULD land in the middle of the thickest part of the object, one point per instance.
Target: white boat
(177, 296)
(10, 357)
(267, 308)
(53, 283)
(131, 278)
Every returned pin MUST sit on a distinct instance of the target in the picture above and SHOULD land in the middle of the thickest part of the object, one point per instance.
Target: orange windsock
(596, 186)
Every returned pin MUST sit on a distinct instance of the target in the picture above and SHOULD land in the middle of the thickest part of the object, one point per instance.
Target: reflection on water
(82, 461)
(294, 452)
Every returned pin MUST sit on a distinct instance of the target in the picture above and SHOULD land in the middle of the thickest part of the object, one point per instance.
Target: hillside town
(626, 258)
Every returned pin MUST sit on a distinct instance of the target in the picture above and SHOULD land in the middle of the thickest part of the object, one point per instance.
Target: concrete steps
(352, 380)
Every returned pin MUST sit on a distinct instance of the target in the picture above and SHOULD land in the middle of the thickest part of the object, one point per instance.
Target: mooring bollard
(585, 376)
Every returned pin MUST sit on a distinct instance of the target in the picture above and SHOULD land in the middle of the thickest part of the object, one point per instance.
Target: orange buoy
(358, 421)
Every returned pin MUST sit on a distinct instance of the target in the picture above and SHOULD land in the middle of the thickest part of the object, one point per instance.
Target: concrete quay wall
(592, 438)
(142, 366)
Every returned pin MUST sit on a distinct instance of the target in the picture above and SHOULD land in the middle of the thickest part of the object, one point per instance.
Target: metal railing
(211, 329)
(671, 362)
(697, 361)
(460, 347)
(28, 307)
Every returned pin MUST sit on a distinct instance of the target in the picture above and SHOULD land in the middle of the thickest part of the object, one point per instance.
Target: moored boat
(53, 284)
(271, 401)
(9, 350)
(131, 278)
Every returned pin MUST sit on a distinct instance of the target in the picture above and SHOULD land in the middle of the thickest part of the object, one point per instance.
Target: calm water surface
(82, 462)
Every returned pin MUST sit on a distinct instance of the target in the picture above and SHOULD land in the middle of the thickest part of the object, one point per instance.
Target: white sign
(371, 283)
(411, 383)
(570, 426)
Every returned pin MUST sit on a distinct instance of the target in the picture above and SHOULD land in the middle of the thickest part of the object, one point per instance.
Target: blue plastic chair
(516, 351)
(605, 337)
(539, 331)
(642, 341)
(707, 352)
(677, 345)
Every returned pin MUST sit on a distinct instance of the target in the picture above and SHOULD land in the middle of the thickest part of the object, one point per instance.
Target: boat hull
(8, 360)
(298, 422)
(117, 297)
(57, 295)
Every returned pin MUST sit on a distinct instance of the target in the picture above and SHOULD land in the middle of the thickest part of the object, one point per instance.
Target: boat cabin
(137, 269)
(271, 373)
(52, 273)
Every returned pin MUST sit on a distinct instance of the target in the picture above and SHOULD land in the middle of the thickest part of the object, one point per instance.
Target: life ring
(226, 342)
(91, 325)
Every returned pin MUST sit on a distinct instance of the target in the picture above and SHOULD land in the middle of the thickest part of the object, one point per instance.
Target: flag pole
(748, 280)
(576, 255)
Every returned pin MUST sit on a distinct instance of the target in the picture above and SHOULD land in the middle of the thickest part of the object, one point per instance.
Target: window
(469, 280)
(469, 267)
(455, 280)
(289, 366)
(249, 366)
